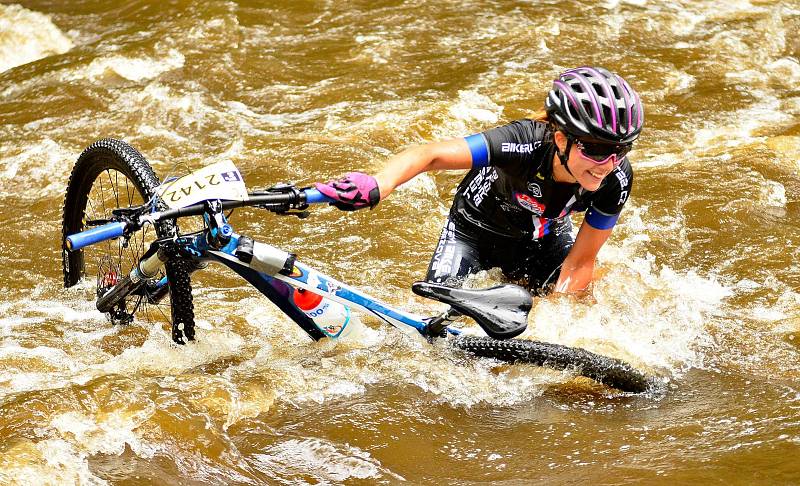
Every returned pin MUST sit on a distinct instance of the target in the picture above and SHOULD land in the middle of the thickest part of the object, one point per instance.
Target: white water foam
(132, 68)
(73, 437)
(641, 313)
(746, 123)
(27, 36)
(473, 107)
(159, 355)
(377, 49)
(34, 170)
(772, 193)
(323, 460)
(137, 68)
(304, 371)
(50, 461)
(108, 433)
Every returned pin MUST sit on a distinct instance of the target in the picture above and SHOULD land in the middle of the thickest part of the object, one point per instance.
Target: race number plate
(221, 180)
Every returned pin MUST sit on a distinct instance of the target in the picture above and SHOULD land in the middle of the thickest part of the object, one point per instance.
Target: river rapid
(699, 283)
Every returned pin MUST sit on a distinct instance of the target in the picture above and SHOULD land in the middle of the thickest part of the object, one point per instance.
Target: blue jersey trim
(598, 220)
(479, 150)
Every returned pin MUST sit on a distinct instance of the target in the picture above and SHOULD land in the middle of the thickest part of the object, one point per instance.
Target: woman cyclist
(512, 209)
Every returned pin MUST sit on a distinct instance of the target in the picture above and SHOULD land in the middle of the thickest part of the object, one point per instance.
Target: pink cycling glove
(355, 190)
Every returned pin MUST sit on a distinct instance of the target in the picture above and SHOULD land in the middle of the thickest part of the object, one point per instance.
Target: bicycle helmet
(592, 103)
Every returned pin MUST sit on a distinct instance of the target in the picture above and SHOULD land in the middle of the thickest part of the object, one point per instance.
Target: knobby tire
(608, 371)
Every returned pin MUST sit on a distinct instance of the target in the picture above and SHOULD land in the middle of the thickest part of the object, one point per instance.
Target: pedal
(120, 317)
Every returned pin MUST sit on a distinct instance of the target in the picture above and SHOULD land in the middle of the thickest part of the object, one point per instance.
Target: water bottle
(332, 318)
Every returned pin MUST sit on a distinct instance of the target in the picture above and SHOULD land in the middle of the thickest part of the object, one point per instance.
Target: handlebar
(313, 196)
(95, 235)
(116, 229)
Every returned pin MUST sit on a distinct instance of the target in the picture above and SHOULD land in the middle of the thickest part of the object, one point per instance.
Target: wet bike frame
(266, 267)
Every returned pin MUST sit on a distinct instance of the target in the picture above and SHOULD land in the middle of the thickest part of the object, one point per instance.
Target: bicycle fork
(146, 269)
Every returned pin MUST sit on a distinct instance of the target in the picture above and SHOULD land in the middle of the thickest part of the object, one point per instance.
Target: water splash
(27, 36)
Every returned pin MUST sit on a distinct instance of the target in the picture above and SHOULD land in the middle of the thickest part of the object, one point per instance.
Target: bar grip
(313, 196)
(95, 235)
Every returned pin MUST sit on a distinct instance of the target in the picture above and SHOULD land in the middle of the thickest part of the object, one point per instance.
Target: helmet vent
(588, 107)
(606, 112)
(573, 110)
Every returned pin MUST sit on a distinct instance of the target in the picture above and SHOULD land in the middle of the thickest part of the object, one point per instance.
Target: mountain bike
(122, 226)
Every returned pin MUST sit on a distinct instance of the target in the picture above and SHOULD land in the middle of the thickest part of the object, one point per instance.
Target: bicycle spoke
(112, 189)
(110, 175)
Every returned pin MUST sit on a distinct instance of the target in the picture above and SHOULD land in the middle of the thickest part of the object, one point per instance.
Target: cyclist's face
(589, 173)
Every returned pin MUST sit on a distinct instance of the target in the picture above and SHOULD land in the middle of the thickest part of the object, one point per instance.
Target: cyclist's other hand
(355, 190)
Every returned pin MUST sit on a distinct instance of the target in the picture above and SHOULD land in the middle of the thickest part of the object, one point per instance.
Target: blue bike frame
(305, 277)
(277, 286)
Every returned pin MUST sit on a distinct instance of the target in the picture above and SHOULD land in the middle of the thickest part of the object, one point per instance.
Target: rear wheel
(608, 371)
(111, 174)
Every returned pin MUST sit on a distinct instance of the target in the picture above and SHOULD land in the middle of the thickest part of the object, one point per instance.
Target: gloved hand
(355, 190)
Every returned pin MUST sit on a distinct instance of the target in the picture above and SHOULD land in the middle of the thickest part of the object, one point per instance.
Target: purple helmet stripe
(565, 89)
(589, 92)
(627, 96)
(609, 94)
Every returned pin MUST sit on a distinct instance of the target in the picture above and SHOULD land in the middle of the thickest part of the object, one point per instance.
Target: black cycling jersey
(511, 191)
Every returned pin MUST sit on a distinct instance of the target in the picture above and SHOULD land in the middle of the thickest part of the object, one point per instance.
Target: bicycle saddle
(501, 311)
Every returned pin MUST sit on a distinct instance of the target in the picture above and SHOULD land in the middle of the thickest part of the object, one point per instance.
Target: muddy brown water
(698, 284)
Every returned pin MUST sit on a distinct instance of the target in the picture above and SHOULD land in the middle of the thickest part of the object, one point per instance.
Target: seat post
(436, 326)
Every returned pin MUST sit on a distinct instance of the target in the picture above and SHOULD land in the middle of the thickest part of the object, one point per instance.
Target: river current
(698, 285)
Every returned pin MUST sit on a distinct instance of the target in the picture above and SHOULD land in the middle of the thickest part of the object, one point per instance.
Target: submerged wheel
(608, 371)
(111, 174)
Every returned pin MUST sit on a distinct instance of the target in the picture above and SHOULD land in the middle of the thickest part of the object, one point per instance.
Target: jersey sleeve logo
(529, 203)
(623, 183)
(519, 148)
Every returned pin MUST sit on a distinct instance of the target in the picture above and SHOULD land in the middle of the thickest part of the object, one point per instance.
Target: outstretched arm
(444, 155)
(578, 267)
(356, 190)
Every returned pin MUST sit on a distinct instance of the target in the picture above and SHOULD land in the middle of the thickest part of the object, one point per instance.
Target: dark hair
(540, 115)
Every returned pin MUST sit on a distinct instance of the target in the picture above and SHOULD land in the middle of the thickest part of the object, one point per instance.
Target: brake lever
(131, 216)
(128, 214)
(300, 213)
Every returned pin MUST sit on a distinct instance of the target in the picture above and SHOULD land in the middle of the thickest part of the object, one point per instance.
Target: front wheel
(110, 174)
(602, 369)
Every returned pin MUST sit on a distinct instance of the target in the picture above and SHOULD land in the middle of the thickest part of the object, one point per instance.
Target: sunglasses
(600, 153)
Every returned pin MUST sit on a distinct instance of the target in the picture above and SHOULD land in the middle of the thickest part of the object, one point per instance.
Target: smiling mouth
(600, 175)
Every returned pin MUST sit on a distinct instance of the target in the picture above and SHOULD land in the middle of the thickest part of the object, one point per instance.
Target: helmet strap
(564, 156)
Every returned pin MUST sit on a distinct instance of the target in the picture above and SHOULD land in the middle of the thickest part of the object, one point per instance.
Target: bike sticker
(313, 280)
(221, 180)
